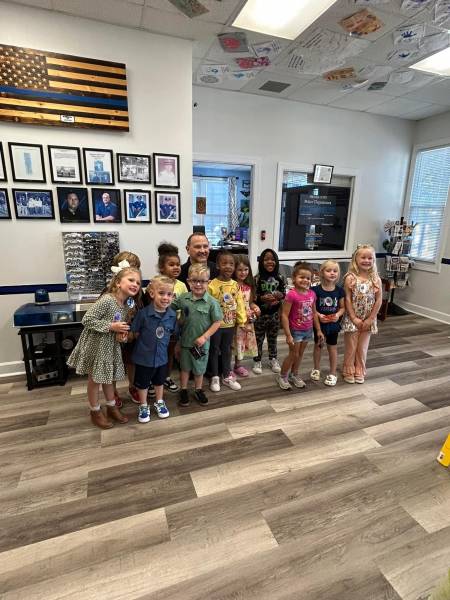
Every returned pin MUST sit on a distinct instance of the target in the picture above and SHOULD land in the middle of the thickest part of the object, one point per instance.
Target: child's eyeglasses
(198, 281)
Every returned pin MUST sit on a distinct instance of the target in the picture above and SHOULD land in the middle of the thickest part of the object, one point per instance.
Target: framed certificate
(322, 173)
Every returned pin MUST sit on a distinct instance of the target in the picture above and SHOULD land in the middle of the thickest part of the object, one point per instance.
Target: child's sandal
(330, 380)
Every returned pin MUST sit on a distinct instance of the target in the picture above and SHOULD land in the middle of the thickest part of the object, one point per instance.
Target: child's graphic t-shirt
(229, 296)
(301, 313)
(327, 303)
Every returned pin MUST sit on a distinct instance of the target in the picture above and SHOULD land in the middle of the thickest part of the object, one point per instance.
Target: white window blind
(215, 189)
(429, 196)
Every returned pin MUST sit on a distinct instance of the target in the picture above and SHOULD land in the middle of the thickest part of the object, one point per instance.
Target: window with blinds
(428, 201)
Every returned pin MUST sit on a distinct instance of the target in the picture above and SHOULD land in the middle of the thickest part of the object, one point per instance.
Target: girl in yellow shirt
(227, 292)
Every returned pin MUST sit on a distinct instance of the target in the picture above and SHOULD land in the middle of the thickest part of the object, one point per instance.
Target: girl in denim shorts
(298, 317)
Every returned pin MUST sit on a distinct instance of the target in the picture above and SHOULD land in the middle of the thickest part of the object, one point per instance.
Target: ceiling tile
(398, 107)
(423, 113)
(400, 89)
(177, 25)
(219, 12)
(108, 11)
(359, 100)
(437, 93)
(318, 91)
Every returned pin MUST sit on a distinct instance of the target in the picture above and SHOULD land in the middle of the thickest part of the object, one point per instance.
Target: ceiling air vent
(274, 86)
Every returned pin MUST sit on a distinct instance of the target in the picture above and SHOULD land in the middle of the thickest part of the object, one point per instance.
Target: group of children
(217, 321)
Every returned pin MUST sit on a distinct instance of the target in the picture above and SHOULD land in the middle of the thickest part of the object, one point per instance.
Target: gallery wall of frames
(72, 169)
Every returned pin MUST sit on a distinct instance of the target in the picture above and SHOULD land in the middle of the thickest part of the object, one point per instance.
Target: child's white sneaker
(274, 365)
(257, 368)
(297, 381)
(283, 383)
(315, 375)
(214, 386)
(231, 382)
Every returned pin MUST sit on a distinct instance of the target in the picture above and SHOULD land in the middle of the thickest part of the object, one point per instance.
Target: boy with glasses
(200, 319)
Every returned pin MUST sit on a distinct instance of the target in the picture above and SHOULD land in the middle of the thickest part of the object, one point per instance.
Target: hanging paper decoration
(212, 73)
(401, 77)
(241, 75)
(409, 35)
(190, 8)
(269, 49)
(338, 74)
(442, 13)
(362, 23)
(249, 62)
(414, 5)
(236, 42)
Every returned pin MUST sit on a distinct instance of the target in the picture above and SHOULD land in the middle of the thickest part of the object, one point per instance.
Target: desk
(49, 359)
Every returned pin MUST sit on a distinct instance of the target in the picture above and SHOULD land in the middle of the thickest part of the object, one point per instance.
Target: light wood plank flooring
(322, 493)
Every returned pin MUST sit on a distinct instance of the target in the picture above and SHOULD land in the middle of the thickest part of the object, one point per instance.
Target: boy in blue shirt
(153, 326)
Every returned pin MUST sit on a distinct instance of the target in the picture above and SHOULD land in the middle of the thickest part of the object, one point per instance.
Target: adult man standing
(197, 247)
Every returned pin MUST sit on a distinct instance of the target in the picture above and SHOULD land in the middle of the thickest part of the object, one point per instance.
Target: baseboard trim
(12, 369)
(423, 311)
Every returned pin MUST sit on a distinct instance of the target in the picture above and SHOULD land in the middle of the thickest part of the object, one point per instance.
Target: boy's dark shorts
(146, 375)
(330, 338)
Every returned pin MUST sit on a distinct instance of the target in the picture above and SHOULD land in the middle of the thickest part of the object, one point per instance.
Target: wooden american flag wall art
(57, 89)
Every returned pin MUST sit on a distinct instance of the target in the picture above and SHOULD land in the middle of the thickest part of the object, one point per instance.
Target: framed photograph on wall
(137, 206)
(167, 207)
(2, 164)
(134, 168)
(322, 173)
(98, 166)
(106, 206)
(5, 211)
(65, 164)
(33, 204)
(27, 162)
(167, 170)
(73, 205)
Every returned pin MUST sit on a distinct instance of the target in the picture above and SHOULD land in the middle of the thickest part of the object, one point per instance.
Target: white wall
(159, 73)
(272, 131)
(429, 293)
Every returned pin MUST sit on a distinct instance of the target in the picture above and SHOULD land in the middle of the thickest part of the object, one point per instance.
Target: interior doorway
(221, 203)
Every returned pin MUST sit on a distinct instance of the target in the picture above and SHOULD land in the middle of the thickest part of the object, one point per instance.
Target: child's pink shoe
(241, 371)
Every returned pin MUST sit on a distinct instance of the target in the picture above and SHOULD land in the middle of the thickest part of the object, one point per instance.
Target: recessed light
(438, 63)
(281, 18)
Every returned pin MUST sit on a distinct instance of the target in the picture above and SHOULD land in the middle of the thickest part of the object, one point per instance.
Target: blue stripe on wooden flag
(59, 96)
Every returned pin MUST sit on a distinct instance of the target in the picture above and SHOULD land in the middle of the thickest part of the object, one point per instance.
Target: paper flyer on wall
(269, 49)
(212, 73)
(409, 35)
(191, 8)
(362, 23)
(235, 41)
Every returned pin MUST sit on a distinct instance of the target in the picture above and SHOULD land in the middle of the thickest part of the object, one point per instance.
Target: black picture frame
(163, 177)
(97, 199)
(61, 172)
(169, 212)
(68, 211)
(95, 171)
(137, 210)
(3, 176)
(5, 208)
(131, 168)
(323, 173)
(27, 162)
(41, 209)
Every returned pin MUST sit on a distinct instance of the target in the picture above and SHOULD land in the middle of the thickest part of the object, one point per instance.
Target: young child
(226, 291)
(120, 261)
(298, 316)
(245, 340)
(153, 326)
(169, 265)
(270, 291)
(363, 299)
(330, 308)
(97, 353)
(200, 319)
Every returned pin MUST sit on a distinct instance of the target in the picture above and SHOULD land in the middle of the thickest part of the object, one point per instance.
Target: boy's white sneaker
(214, 386)
(274, 365)
(283, 383)
(257, 368)
(231, 382)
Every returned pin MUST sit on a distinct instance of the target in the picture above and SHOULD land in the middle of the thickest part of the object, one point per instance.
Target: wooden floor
(324, 493)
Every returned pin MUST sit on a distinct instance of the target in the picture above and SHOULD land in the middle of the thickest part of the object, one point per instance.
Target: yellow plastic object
(444, 454)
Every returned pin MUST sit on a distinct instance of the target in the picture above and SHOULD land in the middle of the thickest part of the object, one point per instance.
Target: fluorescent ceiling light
(438, 63)
(281, 18)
